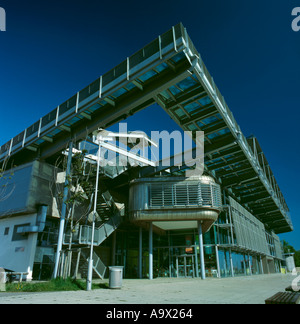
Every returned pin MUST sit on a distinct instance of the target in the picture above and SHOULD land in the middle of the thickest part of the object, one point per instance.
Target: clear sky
(52, 49)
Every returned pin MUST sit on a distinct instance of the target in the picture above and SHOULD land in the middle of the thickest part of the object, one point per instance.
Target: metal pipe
(114, 244)
(150, 251)
(140, 253)
(231, 263)
(90, 264)
(218, 261)
(196, 261)
(261, 266)
(63, 211)
(250, 265)
(201, 250)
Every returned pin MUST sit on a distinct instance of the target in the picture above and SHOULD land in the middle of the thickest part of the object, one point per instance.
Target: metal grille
(249, 231)
(184, 194)
(278, 247)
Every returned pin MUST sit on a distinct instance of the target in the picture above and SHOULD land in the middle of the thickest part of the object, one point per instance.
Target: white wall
(290, 263)
(18, 254)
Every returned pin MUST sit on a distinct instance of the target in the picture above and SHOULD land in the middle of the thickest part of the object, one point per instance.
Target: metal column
(244, 263)
(113, 252)
(231, 263)
(150, 251)
(261, 265)
(63, 211)
(218, 261)
(196, 261)
(90, 262)
(250, 265)
(141, 253)
(201, 250)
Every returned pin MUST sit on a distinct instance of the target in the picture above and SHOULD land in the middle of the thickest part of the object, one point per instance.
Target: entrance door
(185, 266)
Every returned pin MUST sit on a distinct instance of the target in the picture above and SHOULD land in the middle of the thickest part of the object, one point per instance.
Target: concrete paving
(239, 290)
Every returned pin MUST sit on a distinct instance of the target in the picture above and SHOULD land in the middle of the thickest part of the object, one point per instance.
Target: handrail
(95, 91)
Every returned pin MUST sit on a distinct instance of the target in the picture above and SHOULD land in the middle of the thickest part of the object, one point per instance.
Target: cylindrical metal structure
(63, 212)
(90, 262)
(175, 199)
(115, 277)
(231, 263)
(218, 261)
(150, 251)
(201, 250)
(140, 253)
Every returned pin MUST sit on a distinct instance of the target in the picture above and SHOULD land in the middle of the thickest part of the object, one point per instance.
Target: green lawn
(52, 285)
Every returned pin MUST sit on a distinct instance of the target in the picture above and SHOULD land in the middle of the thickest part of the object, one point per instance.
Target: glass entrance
(185, 266)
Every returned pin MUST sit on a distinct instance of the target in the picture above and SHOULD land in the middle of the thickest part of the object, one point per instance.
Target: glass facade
(224, 262)
(176, 254)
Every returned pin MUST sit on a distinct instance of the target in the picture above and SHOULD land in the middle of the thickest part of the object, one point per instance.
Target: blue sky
(52, 49)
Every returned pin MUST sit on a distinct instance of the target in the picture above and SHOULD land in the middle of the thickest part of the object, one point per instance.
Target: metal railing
(172, 40)
(219, 101)
(157, 49)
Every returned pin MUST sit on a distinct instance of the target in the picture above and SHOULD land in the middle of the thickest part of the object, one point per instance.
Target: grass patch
(52, 285)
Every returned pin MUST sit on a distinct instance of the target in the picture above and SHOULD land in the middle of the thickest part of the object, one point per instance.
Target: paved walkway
(238, 290)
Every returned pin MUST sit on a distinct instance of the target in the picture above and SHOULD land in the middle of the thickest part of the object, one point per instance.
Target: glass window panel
(151, 48)
(54, 132)
(161, 67)
(218, 160)
(213, 135)
(107, 77)
(175, 91)
(148, 75)
(120, 69)
(67, 105)
(179, 112)
(83, 94)
(130, 86)
(49, 117)
(204, 101)
(18, 139)
(186, 83)
(5, 147)
(192, 127)
(74, 120)
(224, 131)
(32, 129)
(94, 87)
(166, 38)
(180, 56)
(19, 236)
(119, 93)
(209, 120)
(94, 107)
(40, 141)
(165, 94)
(192, 107)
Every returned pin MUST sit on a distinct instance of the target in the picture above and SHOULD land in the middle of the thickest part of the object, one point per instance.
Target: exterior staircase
(80, 264)
(109, 218)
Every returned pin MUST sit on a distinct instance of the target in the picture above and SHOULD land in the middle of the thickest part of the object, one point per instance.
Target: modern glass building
(150, 218)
